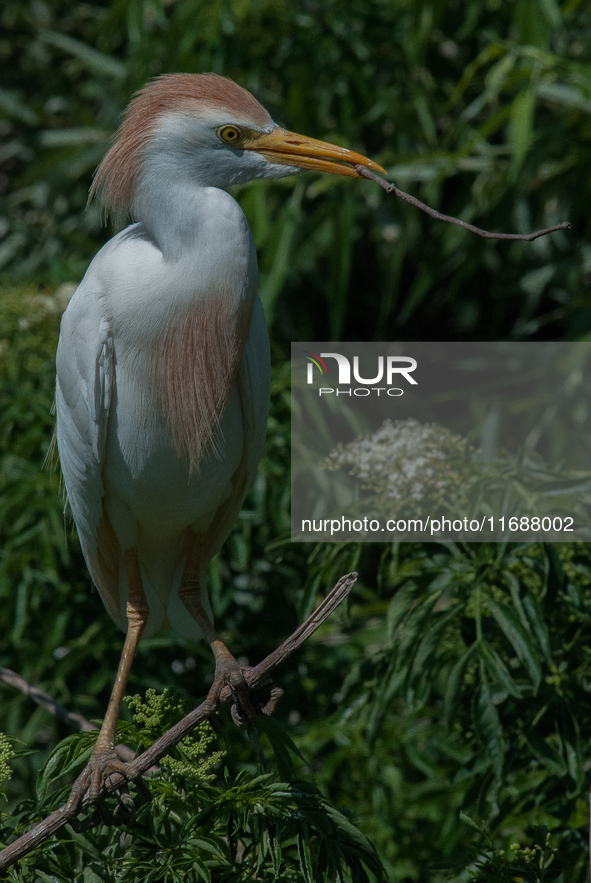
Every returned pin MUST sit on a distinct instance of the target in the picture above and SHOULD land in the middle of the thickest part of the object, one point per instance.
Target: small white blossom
(405, 462)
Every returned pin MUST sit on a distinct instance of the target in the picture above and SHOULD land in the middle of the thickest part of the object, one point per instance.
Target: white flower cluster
(406, 461)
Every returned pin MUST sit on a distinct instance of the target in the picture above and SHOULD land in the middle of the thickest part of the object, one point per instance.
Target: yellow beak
(287, 148)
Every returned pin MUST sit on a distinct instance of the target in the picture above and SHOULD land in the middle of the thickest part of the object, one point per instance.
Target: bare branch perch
(256, 677)
(392, 188)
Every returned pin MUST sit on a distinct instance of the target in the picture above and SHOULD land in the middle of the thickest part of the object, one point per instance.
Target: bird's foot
(92, 781)
(245, 707)
(229, 671)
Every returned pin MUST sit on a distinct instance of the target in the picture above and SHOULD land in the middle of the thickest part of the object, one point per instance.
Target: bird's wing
(254, 382)
(255, 389)
(85, 381)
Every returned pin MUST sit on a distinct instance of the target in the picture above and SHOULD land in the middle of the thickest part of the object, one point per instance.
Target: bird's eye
(229, 134)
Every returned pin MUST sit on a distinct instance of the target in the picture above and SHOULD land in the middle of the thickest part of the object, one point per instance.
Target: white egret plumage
(163, 363)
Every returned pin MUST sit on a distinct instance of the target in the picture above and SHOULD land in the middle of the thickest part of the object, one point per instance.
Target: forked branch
(256, 677)
(392, 188)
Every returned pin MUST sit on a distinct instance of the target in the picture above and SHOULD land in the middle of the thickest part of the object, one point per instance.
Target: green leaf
(104, 65)
(535, 615)
(454, 684)
(551, 759)
(499, 74)
(399, 607)
(46, 878)
(521, 128)
(430, 641)
(202, 871)
(552, 12)
(305, 857)
(518, 638)
(561, 93)
(471, 823)
(11, 102)
(88, 848)
(490, 729)
(70, 753)
(281, 743)
(89, 876)
(497, 668)
(206, 845)
(354, 839)
(572, 749)
(272, 280)
(66, 137)
(391, 683)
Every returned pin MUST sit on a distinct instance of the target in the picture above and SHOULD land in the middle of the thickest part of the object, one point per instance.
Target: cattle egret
(163, 365)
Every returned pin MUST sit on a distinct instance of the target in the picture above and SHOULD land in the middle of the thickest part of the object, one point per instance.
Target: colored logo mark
(316, 360)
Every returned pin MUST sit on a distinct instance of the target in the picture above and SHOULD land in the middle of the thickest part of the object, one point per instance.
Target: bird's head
(205, 129)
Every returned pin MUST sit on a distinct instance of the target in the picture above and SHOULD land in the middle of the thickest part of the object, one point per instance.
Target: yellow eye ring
(229, 134)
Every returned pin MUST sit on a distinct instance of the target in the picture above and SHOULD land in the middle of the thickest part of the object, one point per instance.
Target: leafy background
(446, 712)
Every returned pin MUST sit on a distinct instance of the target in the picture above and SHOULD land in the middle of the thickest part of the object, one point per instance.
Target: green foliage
(531, 864)
(240, 828)
(6, 754)
(161, 711)
(467, 677)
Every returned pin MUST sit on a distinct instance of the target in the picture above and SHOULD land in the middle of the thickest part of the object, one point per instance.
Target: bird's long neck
(176, 188)
(210, 263)
(175, 214)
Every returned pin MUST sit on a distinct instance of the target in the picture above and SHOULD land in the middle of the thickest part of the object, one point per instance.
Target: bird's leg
(103, 760)
(227, 669)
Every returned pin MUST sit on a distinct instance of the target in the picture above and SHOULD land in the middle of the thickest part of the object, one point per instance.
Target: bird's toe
(228, 671)
(245, 706)
(91, 784)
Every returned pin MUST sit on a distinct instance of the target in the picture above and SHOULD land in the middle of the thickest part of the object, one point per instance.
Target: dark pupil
(231, 134)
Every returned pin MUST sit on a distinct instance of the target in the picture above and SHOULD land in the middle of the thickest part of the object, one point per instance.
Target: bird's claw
(231, 673)
(239, 714)
(125, 809)
(268, 708)
(276, 693)
(243, 709)
(212, 714)
(91, 783)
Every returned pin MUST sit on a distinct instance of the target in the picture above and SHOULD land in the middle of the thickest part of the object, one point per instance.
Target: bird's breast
(195, 369)
(151, 488)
